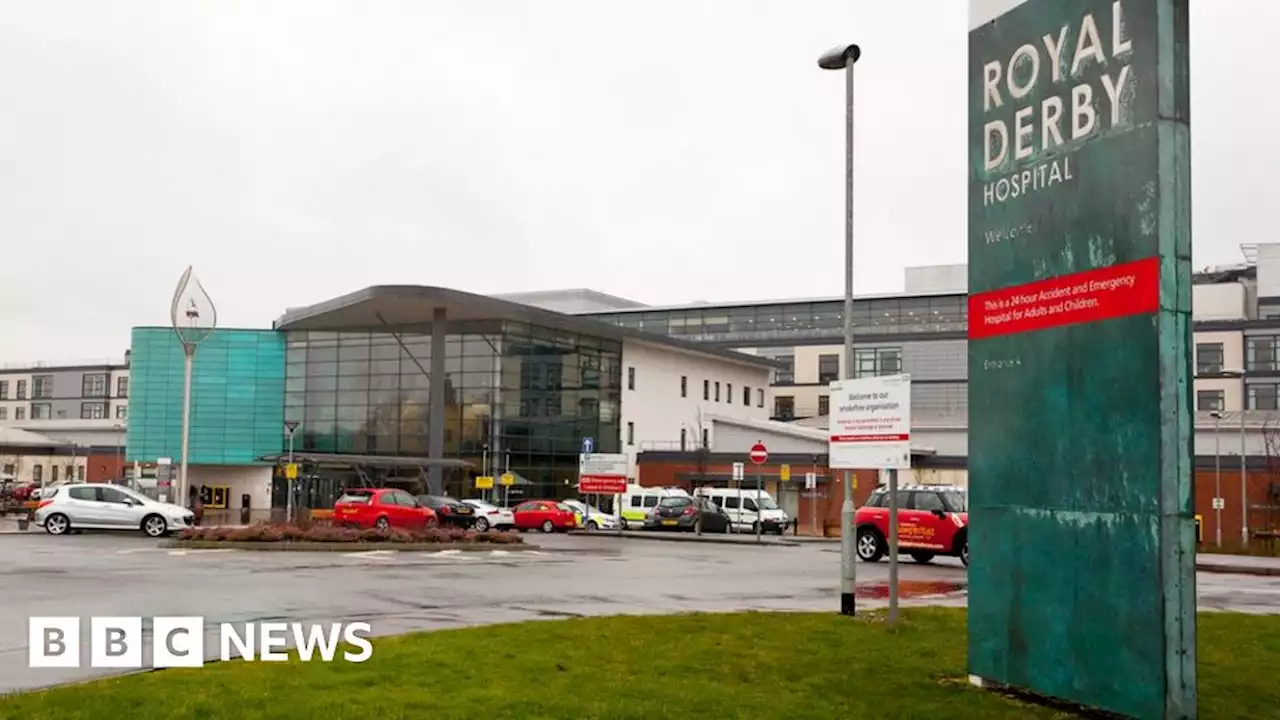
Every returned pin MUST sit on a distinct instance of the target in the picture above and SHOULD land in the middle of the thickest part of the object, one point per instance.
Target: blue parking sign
(588, 445)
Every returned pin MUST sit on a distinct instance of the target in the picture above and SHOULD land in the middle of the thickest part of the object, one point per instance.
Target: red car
(381, 508)
(932, 520)
(545, 515)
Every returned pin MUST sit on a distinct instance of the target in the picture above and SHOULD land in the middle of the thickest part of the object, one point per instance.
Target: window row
(92, 385)
(45, 411)
(68, 471)
(711, 392)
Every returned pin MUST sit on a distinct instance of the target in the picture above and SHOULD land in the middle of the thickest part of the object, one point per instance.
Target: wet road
(105, 575)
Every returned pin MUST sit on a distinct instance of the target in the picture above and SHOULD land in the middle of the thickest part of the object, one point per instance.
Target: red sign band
(871, 438)
(1091, 296)
(608, 485)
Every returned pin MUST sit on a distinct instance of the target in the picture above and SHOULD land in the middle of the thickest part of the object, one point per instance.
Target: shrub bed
(280, 532)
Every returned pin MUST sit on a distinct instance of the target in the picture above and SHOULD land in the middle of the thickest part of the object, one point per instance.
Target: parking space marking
(372, 555)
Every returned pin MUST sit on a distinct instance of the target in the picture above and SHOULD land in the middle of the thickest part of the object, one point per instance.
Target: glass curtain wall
(526, 395)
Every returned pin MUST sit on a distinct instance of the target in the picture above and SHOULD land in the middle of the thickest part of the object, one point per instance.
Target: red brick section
(1261, 517)
(102, 466)
(665, 473)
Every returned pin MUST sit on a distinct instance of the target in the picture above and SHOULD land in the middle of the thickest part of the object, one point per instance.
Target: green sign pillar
(1082, 582)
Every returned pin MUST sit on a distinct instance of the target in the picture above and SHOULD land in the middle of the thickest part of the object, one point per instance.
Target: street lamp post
(119, 428)
(843, 57)
(194, 319)
(1217, 477)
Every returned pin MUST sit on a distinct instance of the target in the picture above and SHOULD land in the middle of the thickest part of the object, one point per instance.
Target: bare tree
(1271, 452)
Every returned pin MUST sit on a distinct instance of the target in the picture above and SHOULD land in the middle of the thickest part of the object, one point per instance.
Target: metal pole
(119, 465)
(848, 562)
(190, 351)
(1217, 480)
(288, 483)
(484, 470)
(506, 489)
(893, 545)
(1244, 489)
(759, 511)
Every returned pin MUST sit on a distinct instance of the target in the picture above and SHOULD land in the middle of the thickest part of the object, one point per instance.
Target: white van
(638, 502)
(740, 504)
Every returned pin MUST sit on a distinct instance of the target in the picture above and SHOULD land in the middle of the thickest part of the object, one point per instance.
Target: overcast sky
(667, 151)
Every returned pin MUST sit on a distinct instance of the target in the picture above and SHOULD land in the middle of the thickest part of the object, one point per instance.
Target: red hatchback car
(545, 515)
(381, 508)
(932, 520)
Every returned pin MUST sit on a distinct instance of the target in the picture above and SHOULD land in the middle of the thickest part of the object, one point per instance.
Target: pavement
(714, 538)
(397, 592)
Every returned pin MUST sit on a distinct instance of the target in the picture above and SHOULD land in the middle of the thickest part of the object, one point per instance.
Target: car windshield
(957, 501)
(767, 503)
(355, 498)
(563, 506)
(675, 501)
(130, 493)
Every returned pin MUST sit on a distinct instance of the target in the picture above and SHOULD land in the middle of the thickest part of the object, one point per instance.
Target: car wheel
(622, 523)
(482, 525)
(922, 557)
(592, 526)
(383, 523)
(870, 546)
(728, 527)
(755, 528)
(154, 526)
(964, 552)
(57, 524)
(548, 526)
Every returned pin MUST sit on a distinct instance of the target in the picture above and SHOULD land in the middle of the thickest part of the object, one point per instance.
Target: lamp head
(839, 57)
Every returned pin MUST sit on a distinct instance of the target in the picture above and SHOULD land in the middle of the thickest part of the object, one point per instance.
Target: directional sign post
(759, 455)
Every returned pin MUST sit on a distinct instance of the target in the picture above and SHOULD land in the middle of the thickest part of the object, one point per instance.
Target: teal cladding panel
(1082, 582)
(237, 397)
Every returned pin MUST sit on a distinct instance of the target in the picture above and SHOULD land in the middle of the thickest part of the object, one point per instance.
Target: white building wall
(23, 466)
(654, 412)
(240, 479)
(1220, 301)
(1232, 360)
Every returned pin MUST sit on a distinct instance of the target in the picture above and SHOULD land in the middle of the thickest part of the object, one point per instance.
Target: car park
(450, 511)
(933, 520)
(490, 516)
(638, 502)
(102, 506)
(545, 515)
(683, 514)
(381, 508)
(741, 506)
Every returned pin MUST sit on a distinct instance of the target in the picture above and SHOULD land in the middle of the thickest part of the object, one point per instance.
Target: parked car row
(724, 509)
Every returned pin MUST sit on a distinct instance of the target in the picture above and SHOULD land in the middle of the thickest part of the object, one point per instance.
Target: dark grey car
(682, 513)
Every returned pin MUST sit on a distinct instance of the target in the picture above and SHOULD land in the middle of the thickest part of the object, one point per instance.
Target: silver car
(101, 506)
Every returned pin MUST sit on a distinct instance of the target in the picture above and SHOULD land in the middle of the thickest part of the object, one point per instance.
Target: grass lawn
(758, 665)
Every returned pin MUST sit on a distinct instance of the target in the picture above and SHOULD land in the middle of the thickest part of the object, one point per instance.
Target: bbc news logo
(117, 642)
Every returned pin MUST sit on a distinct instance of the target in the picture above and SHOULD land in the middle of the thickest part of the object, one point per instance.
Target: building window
(784, 407)
(870, 362)
(759, 398)
(717, 391)
(631, 433)
(20, 413)
(4, 413)
(785, 375)
(1262, 396)
(1210, 400)
(824, 404)
(684, 386)
(93, 411)
(828, 368)
(706, 438)
(53, 474)
(706, 389)
(4, 389)
(1261, 352)
(122, 412)
(728, 393)
(94, 385)
(746, 396)
(122, 386)
(9, 469)
(1208, 358)
(683, 437)
(37, 473)
(42, 387)
(41, 411)
(22, 389)
(80, 473)
(631, 378)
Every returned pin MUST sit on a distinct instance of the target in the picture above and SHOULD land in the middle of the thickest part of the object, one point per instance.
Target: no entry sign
(759, 454)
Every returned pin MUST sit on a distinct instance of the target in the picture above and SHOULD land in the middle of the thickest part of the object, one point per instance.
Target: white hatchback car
(490, 516)
(102, 506)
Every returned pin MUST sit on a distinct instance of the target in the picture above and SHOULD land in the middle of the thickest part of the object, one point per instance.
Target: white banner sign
(602, 465)
(871, 423)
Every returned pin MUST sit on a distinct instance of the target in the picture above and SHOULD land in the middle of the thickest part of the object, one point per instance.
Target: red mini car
(932, 520)
(381, 508)
(545, 515)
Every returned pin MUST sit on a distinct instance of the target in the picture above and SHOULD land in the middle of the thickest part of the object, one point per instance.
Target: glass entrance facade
(522, 394)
